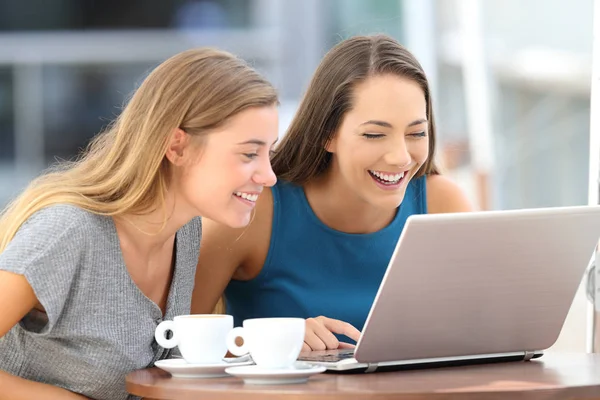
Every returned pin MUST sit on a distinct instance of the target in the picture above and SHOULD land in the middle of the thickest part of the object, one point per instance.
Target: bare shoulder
(230, 253)
(238, 248)
(258, 237)
(445, 196)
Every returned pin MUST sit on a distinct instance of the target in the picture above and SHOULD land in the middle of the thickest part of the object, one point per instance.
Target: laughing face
(382, 140)
(233, 168)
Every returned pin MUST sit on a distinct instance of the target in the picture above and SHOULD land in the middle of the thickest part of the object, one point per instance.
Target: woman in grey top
(94, 254)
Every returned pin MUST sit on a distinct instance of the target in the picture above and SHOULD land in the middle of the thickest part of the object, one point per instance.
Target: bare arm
(15, 388)
(16, 300)
(227, 253)
(220, 257)
(445, 196)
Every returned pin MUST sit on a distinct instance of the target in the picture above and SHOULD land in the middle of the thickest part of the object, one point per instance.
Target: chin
(240, 223)
(234, 220)
(227, 214)
(388, 202)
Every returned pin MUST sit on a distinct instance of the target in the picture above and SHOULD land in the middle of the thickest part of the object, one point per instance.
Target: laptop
(473, 288)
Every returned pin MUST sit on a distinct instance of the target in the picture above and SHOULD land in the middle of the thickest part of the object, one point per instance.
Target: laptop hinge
(371, 367)
(528, 355)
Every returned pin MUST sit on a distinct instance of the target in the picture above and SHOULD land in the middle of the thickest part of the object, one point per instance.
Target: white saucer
(255, 375)
(179, 368)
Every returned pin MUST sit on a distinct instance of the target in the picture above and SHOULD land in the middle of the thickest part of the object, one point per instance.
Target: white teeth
(388, 177)
(247, 196)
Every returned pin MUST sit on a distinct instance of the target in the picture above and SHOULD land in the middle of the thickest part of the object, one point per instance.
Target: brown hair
(301, 155)
(124, 169)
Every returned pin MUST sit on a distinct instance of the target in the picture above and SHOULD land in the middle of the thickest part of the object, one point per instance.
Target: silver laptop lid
(479, 283)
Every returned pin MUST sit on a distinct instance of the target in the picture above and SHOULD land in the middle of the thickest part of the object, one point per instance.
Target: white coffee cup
(200, 338)
(272, 342)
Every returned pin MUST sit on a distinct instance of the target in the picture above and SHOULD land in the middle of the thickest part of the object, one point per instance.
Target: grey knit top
(98, 325)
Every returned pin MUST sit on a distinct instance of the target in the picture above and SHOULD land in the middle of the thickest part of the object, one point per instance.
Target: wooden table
(553, 376)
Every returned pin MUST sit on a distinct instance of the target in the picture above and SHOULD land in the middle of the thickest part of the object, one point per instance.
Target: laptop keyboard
(331, 356)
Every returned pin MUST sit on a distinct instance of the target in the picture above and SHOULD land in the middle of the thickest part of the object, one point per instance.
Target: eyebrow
(257, 142)
(388, 125)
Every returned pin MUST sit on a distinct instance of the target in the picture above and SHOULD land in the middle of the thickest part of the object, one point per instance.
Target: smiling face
(382, 140)
(232, 168)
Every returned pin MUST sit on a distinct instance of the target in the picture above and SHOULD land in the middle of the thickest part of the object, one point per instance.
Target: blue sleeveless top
(312, 269)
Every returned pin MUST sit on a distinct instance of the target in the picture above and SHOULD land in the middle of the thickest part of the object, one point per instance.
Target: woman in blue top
(356, 162)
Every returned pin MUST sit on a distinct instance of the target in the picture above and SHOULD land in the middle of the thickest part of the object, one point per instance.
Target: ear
(178, 147)
(331, 144)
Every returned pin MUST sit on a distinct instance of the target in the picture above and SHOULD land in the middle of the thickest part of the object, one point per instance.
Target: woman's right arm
(16, 300)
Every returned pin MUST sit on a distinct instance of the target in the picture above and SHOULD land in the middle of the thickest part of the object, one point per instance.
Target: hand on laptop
(320, 334)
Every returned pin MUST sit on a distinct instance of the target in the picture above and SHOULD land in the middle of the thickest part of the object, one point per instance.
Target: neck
(340, 208)
(150, 232)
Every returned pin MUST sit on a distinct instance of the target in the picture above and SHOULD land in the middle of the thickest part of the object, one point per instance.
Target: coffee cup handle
(159, 334)
(232, 345)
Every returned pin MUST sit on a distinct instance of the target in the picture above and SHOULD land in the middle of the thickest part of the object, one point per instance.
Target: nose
(398, 154)
(264, 175)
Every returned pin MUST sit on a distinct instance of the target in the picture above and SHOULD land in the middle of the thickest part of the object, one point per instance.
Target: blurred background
(510, 80)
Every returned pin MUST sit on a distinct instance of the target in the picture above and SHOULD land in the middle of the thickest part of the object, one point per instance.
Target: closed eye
(418, 134)
(373, 135)
(251, 156)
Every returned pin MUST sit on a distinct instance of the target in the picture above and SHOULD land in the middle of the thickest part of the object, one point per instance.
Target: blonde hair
(124, 169)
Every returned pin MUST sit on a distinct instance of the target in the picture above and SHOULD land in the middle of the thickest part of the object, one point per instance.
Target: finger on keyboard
(341, 327)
